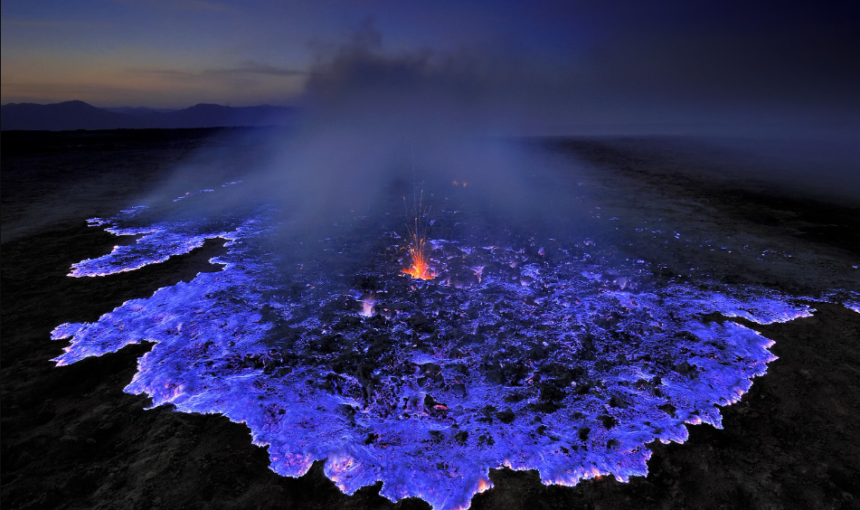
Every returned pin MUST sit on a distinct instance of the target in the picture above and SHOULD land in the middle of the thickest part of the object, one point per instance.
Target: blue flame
(531, 364)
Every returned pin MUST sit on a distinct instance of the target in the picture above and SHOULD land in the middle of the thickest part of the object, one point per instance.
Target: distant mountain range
(71, 115)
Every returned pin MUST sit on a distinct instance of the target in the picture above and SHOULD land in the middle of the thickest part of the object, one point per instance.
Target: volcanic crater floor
(73, 439)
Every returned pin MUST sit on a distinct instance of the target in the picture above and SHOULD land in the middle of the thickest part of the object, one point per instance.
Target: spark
(417, 235)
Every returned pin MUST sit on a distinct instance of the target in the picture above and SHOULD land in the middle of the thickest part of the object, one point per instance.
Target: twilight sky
(610, 61)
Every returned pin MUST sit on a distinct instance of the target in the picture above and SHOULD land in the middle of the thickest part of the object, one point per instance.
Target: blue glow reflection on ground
(532, 364)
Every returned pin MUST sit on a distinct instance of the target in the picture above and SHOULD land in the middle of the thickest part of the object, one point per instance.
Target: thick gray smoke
(377, 126)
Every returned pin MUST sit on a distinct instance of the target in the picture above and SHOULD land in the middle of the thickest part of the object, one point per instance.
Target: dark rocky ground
(72, 439)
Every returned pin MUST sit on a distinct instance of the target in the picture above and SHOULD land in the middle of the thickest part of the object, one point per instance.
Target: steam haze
(402, 96)
(374, 116)
(378, 125)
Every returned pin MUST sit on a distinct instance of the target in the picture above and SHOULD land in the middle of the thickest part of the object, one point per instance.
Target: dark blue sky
(606, 61)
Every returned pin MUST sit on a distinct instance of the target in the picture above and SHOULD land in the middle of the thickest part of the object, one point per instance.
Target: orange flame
(420, 268)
